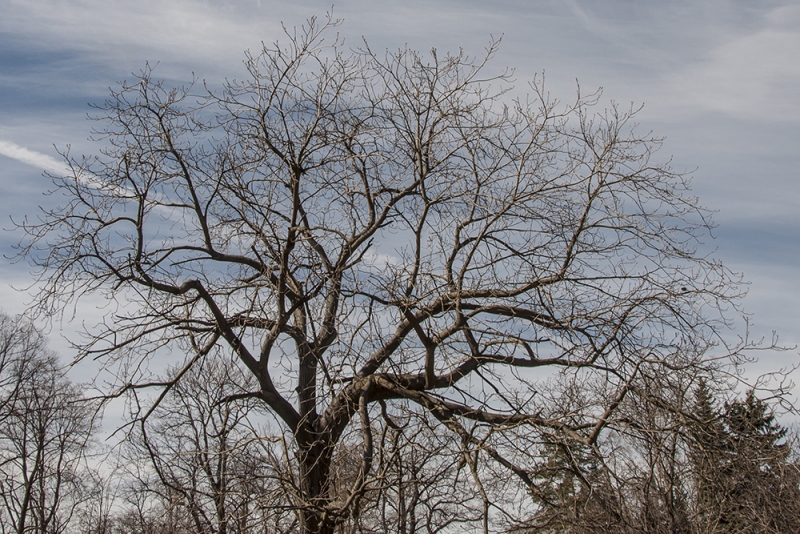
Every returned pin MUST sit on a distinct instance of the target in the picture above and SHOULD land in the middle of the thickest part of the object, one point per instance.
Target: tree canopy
(387, 242)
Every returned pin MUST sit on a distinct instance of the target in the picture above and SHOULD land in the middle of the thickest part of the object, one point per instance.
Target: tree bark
(314, 458)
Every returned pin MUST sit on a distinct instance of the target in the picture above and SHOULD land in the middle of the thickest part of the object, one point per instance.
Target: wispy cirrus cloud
(61, 168)
(33, 158)
(750, 74)
(183, 34)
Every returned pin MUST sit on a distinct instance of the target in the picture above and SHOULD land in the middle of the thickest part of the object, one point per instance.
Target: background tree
(575, 495)
(747, 479)
(636, 478)
(715, 468)
(424, 477)
(201, 457)
(362, 228)
(45, 430)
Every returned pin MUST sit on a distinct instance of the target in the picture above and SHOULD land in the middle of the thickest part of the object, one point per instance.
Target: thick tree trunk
(312, 522)
(315, 460)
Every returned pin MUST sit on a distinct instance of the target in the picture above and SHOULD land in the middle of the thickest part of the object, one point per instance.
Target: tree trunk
(315, 460)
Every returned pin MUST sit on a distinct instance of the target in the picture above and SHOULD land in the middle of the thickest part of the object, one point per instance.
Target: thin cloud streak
(59, 168)
(595, 25)
(30, 157)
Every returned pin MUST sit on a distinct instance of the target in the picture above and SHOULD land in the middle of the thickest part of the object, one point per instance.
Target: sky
(718, 79)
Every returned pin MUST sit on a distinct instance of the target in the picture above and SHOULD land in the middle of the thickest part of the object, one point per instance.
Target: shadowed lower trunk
(314, 458)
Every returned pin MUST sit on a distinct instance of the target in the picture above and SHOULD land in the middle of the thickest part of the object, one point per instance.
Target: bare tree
(44, 434)
(361, 228)
(202, 457)
(422, 477)
(699, 469)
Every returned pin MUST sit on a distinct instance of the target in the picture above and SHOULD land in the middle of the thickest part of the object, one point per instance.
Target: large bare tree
(371, 233)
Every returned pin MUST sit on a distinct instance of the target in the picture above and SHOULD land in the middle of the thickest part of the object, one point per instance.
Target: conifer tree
(745, 478)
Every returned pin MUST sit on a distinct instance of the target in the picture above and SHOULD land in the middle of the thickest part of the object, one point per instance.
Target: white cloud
(59, 168)
(30, 157)
(753, 75)
(182, 31)
(380, 260)
(185, 35)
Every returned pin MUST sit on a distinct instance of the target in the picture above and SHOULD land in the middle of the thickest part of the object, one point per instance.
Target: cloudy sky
(719, 79)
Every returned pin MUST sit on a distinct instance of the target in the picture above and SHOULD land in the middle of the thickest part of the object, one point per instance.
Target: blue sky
(719, 79)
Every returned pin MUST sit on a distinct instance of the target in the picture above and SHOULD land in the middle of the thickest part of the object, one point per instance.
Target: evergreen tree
(708, 452)
(576, 495)
(745, 478)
